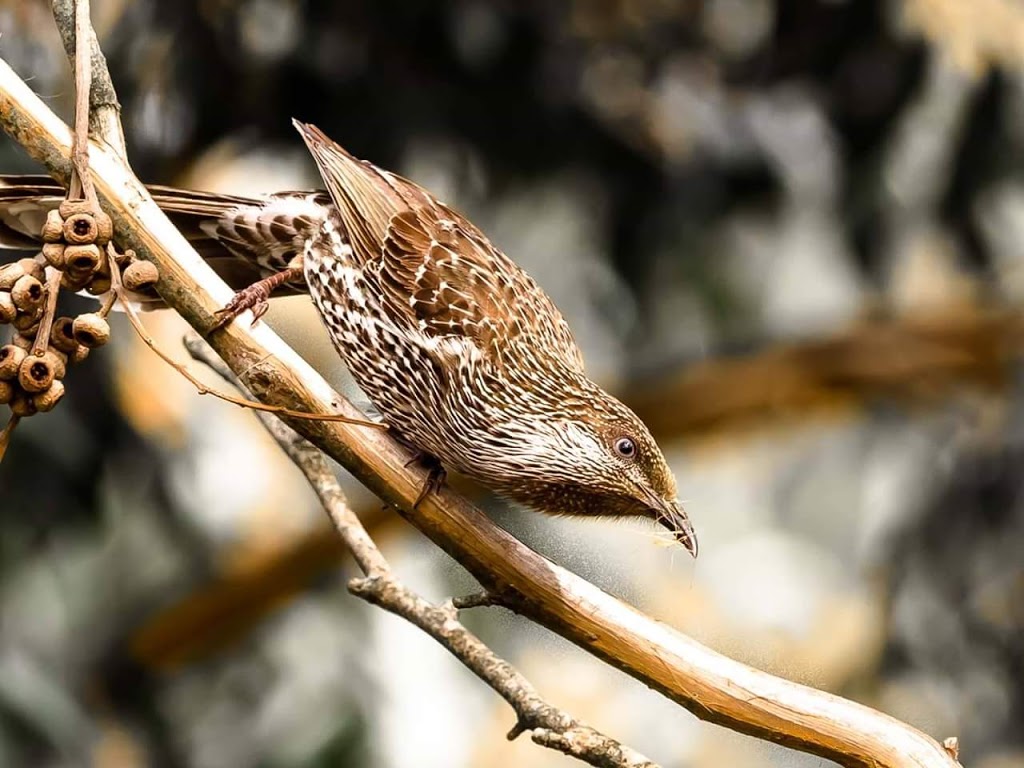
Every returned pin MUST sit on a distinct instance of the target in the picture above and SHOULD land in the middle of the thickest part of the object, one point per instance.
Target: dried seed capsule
(80, 229)
(7, 390)
(104, 228)
(78, 355)
(99, 285)
(45, 401)
(140, 275)
(11, 358)
(91, 330)
(10, 274)
(53, 229)
(81, 260)
(35, 373)
(61, 335)
(34, 268)
(124, 257)
(104, 265)
(74, 283)
(54, 254)
(22, 342)
(7, 309)
(69, 208)
(28, 294)
(22, 405)
(56, 360)
(27, 323)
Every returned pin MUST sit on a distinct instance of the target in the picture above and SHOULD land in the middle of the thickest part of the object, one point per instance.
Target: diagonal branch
(711, 686)
(549, 726)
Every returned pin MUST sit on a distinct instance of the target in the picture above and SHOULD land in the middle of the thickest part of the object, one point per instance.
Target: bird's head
(596, 457)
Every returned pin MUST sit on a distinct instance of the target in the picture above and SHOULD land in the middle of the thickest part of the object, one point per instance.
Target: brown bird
(467, 358)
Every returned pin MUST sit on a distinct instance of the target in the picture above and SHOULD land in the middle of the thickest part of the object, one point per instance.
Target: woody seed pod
(27, 323)
(91, 330)
(61, 335)
(54, 254)
(80, 229)
(28, 294)
(10, 274)
(34, 268)
(22, 405)
(53, 228)
(22, 342)
(99, 285)
(57, 361)
(6, 392)
(7, 309)
(81, 260)
(46, 400)
(74, 282)
(78, 355)
(69, 208)
(11, 358)
(140, 275)
(35, 373)
(104, 228)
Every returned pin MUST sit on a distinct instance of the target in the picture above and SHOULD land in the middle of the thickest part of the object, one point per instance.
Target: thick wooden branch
(710, 685)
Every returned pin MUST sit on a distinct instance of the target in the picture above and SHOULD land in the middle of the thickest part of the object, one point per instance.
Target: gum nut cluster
(32, 368)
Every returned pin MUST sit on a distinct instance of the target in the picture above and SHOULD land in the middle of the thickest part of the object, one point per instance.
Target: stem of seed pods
(53, 277)
(108, 303)
(81, 182)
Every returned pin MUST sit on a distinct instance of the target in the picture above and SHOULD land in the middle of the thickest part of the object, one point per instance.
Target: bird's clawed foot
(436, 474)
(255, 297)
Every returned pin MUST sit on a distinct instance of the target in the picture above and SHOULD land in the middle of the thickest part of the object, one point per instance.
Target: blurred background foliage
(789, 232)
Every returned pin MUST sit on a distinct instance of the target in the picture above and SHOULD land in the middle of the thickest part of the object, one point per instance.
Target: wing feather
(438, 274)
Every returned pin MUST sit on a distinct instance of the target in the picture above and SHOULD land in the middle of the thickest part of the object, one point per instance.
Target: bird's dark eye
(625, 447)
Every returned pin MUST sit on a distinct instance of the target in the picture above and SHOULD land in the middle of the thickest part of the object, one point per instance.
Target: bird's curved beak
(671, 515)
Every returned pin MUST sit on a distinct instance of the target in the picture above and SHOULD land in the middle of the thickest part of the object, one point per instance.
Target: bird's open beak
(672, 516)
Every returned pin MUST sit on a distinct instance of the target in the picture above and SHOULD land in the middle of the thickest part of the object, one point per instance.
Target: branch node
(482, 599)
(368, 587)
(517, 730)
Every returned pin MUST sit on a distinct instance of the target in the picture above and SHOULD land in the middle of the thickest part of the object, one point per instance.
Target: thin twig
(42, 339)
(81, 183)
(117, 288)
(549, 726)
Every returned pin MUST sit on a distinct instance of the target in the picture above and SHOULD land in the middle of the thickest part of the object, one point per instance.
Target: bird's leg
(436, 474)
(255, 296)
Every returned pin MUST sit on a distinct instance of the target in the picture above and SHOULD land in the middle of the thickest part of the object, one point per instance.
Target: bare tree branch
(711, 686)
(548, 725)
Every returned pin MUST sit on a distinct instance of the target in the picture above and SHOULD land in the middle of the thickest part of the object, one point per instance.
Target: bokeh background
(789, 232)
